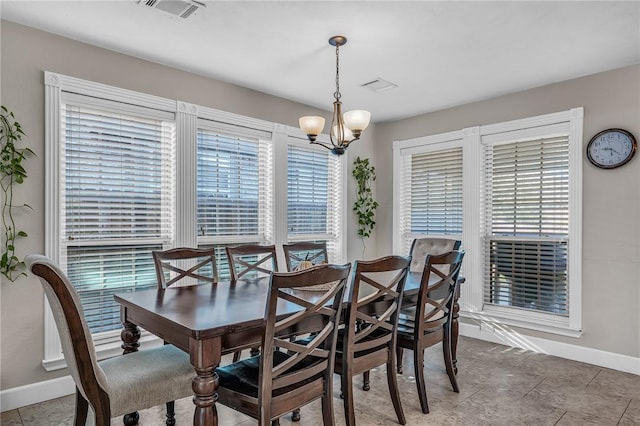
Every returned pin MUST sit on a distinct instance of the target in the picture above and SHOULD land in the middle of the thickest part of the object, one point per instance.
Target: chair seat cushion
(242, 376)
(147, 378)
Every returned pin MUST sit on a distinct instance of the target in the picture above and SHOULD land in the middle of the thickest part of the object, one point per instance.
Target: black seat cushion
(242, 376)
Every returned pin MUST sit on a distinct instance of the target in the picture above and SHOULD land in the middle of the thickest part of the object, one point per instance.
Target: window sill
(496, 320)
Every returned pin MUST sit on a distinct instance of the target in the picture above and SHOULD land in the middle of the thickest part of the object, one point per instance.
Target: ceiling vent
(379, 85)
(181, 8)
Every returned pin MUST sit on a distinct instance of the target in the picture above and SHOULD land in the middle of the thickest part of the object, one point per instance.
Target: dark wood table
(208, 320)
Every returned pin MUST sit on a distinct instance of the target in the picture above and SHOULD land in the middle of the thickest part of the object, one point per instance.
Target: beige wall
(25, 54)
(611, 209)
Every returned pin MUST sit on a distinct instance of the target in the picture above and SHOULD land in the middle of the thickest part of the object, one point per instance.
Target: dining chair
(368, 339)
(115, 386)
(429, 321)
(289, 374)
(183, 263)
(305, 251)
(251, 258)
(420, 248)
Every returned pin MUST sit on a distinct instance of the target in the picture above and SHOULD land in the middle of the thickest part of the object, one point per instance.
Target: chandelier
(344, 128)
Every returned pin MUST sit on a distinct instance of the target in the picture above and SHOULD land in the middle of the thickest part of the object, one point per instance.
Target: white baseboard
(33, 393)
(37, 392)
(597, 357)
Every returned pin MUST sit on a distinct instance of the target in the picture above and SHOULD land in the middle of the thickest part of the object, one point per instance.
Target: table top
(209, 310)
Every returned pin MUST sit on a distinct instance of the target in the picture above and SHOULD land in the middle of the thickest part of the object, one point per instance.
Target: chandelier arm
(322, 144)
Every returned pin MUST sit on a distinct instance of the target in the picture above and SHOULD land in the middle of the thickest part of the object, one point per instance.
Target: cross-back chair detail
(429, 321)
(248, 258)
(118, 385)
(371, 320)
(305, 251)
(176, 264)
(289, 374)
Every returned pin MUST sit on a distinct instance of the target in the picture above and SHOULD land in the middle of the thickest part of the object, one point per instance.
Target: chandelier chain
(337, 93)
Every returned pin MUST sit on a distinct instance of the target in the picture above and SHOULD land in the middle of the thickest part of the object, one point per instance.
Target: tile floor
(499, 385)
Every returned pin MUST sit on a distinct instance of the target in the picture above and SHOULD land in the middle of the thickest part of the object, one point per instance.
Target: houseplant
(12, 172)
(365, 205)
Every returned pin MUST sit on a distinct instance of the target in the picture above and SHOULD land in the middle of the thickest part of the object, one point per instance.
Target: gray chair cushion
(147, 378)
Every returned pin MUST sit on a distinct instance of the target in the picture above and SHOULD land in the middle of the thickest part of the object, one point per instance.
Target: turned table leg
(130, 336)
(205, 357)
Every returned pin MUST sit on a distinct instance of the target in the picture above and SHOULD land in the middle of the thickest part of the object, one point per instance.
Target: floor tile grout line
(565, 412)
(625, 411)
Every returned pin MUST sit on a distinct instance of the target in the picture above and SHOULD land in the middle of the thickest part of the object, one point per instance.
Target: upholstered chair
(115, 386)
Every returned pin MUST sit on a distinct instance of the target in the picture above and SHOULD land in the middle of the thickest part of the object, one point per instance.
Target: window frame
(472, 292)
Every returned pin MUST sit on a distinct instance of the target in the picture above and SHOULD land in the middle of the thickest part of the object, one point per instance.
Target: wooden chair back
(432, 313)
(177, 264)
(305, 251)
(372, 317)
(251, 258)
(308, 371)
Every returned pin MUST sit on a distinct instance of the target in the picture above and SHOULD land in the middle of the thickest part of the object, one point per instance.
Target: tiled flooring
(499, 385)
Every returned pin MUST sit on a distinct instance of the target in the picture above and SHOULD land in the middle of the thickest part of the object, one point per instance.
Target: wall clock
(611, 148)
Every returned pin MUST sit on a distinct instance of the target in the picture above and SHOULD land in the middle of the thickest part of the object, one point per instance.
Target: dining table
(209, 320)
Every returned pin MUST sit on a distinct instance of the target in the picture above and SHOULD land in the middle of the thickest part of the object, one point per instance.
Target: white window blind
(116, 200)
(234, 188)
(431, 195)
(314, 197)
(526, 210)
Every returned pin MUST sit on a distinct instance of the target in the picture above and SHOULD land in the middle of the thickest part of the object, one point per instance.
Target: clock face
(611, 148)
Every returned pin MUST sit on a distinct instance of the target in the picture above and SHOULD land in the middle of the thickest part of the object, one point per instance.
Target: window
(233, 188)
(431, 194)
(115, 201)
(314, 196)
(514, 196)
(526, 199)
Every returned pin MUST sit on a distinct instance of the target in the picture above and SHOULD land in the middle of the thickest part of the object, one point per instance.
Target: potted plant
(12, 172)
(365, 206)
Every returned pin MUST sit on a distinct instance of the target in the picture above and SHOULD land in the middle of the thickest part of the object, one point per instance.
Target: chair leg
(418, 362)
(347, 391)
(130, 419)
(236, 356)
(82, 408)
(365, 381)
(254, 351)
(327, 411)
(295, 415)
(399, 356)
(448, 360)
(171, 413)
(392, 381)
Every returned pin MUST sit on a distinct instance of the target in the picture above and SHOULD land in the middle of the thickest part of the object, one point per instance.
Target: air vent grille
(379, 85)
(181, 8)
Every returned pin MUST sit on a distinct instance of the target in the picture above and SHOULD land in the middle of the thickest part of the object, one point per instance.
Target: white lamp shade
(347, 134)
(311, 124)
(357, 120)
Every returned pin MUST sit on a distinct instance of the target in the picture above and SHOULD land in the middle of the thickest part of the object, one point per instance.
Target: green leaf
(22, 234)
